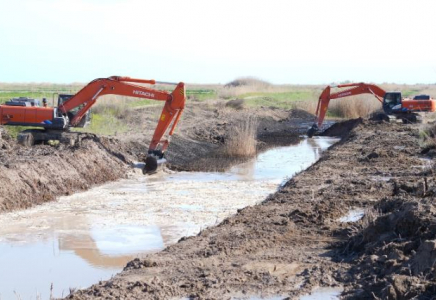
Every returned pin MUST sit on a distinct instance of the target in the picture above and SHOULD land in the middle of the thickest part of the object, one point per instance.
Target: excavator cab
(86, 118)
(392, 102)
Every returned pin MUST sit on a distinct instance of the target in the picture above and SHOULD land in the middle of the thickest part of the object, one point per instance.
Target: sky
(203, 41)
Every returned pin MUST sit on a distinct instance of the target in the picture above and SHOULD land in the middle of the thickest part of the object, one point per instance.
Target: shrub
(237, 104)
(351, 108)
(247, 81)
(243, 85)
(111, 105)
(240, 140)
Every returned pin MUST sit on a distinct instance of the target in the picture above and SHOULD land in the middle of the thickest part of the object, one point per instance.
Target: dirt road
(294, 241)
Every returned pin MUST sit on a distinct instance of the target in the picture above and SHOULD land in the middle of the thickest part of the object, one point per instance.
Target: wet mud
(296, 240)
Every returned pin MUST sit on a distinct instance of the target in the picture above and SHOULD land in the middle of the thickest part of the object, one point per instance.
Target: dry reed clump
(349, 108)
(113, 105)
(356, 107)
(243, 85)
(247, 81)
(237, 104)
(427, 137)
(240, 140)
(308, 105)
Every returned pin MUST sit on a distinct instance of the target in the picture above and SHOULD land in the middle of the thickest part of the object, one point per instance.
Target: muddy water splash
(90, 236)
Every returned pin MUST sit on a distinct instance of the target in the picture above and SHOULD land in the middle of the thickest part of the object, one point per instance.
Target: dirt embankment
(30, 176)
(35, 175)
(294, 241)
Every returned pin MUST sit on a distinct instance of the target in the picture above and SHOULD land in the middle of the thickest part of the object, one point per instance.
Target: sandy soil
(294, 241)
(30, 176)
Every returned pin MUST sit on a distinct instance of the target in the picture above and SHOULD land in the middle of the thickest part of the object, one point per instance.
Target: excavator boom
(352, 90)
(70, 112)
(116, 85)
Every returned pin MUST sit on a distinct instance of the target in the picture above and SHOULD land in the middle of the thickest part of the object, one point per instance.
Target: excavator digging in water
(152, 164)
(74, 110)
(393, 104)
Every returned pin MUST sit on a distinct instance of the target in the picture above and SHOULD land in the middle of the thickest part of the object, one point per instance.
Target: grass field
(110, 111)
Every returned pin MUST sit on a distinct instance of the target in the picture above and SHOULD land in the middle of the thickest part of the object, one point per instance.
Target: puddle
(319, 293)
(260, 298)
(427, 163)
(381, 178)
(353, 215)
(324, 293)
(90, 236)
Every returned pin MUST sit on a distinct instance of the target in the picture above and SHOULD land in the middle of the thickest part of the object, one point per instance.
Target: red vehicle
(392, 102)
(73, 111)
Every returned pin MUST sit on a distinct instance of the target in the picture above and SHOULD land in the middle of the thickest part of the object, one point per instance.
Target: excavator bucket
(153, 164)
(311, 132)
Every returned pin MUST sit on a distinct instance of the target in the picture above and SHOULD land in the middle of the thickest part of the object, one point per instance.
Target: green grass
(142, 102)
(284, 100)
(409, 93)
(109, 114)
(201, 94)
(7, 95)
(13, 131)
(104, 124)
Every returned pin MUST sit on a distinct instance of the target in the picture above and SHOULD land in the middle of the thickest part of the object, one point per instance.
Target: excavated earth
(294, 241)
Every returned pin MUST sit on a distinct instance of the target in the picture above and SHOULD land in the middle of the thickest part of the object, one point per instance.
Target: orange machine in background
(392, 102)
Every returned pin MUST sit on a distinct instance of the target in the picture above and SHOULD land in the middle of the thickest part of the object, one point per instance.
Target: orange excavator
(392, 102)
(73, 111)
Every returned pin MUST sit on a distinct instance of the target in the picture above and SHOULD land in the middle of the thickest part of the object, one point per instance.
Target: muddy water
(90, 236)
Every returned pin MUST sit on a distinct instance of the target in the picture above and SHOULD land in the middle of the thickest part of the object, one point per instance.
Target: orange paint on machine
(23, 115)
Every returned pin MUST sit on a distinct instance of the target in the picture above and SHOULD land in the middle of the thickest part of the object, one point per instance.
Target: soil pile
(294, 240)
(341, 129)
(5, 140)
(35, 175)
(393, 255)
(393, 249)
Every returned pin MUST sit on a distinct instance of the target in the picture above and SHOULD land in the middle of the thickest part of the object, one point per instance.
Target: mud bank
(30, 176)
(296, 240)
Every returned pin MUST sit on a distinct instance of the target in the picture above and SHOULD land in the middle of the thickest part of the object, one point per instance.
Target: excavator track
(30, 137)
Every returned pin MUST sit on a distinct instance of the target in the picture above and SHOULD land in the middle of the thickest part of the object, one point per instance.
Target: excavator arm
(352, 90)
(115, 85)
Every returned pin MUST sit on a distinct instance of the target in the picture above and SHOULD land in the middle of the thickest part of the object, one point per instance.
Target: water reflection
(113, 247)
(71, 259)
(280, 163)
